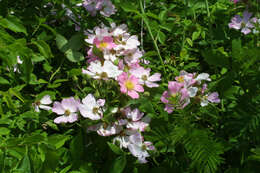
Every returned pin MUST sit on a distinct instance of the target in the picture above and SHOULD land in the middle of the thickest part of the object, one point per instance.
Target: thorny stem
(150, 32)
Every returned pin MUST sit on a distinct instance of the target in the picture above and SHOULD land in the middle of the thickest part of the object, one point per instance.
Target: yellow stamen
(144, 77)
(129, 85)
(95, 110)
(103, 45)
(67, 112)
(103, 75)
(173, 95)
(181, 79)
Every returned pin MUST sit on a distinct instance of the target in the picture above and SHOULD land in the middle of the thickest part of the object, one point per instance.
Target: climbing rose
(130, 85)
(67, 109)
(242, 23)
(91, 108)
(46, 100)
(145, 78)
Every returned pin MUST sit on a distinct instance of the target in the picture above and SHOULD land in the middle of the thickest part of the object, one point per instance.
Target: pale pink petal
(36, 108)
(164, 97)
(151, 84)
(72, 117)
(213, 98)
(246, 31)
(168, 108)
(136, 138)
(61, 119)
(133, 94)
(139, 88)
(138, 125)
(155, 77)
(149, 145)
(89, 101)
(123, 89)
(101, 102)
(69, 104)
(58, 108)
(46, 100)
(45, 107)
(135, 115)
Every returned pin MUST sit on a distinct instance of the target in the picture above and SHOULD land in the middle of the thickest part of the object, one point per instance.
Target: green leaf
(36, 57)
(161, 37)
(146, 106)
(16, 93)
(4, 131)
(77, 148)
(13, 23)
(25, 166)
(127, 6)
(195, 35)
(256, 155)
(33, 139)
(189, 41)
(236, 48)
(162, 16)
(51, 161)
(74, 56)
(43, 47)
(119, 164)
(215, 58)
(3, 81)
(58, 140)
(61, 43)
(47, 67)
(115, 148)
(75, 42)
(27, 68)
(66, 169)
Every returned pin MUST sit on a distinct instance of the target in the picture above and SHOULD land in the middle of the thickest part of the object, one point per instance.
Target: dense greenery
(190, 35)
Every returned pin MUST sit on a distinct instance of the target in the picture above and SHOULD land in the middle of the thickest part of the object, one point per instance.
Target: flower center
(67, 112)
(144, 77)
(243, 24)
(143, 147)
(95, 110)
(103, 45)
(180, 79)
(112, 51)
(174, 98)
(173, 95)
(205, 97)
(129, 85)
(37, 103)
(103, 75)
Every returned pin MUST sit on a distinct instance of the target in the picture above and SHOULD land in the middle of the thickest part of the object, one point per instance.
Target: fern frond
(203, 151)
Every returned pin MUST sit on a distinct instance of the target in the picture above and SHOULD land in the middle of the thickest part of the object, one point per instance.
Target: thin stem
(207, 6)
(210, 27)
(150, 32)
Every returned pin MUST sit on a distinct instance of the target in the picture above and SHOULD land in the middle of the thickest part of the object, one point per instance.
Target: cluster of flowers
(114, 54)
(246, 24)
(184, 88)
(126, 127)
(105, 7)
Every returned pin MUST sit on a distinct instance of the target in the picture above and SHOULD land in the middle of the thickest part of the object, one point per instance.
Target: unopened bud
(74, 78)
(84, 82)
(146, 93)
